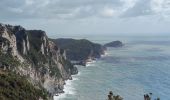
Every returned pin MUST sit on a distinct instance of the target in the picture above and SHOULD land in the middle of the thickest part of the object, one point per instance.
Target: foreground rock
(31, 54)
(114, 44)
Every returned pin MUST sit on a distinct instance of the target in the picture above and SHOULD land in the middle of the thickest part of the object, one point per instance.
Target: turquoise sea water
(141, 66)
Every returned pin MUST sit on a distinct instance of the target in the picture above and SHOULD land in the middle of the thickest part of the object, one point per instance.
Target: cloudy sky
(89, 16)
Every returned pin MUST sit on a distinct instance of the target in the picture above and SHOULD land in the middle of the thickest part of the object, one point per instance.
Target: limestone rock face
(42, 61)
(8, 40)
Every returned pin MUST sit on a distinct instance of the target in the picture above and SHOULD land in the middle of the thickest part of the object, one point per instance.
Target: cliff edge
(31, 54)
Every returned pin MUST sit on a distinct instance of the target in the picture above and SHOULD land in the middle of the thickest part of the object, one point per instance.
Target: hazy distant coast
(82, 51)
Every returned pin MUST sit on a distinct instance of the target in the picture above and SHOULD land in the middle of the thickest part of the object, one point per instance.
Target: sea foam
(68, 90)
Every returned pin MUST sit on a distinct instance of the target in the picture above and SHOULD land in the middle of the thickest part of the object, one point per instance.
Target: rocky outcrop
(80, 51)
(114, 44)
(8, 40)
(41, 60)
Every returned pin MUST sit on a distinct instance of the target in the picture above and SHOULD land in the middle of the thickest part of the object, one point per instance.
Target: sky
(67, 17)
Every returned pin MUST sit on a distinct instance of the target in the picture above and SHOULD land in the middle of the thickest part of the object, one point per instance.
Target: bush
(8, 60)
(15, 87)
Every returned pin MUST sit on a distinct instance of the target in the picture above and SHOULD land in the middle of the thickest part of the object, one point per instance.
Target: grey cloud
(74, 9)
(53, 8)
(141, 8)
(12, 3)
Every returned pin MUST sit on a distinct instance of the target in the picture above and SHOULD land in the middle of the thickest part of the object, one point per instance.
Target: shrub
(15, 87)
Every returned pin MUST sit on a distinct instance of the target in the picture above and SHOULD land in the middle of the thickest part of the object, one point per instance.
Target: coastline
(68, 87)
(136, 76)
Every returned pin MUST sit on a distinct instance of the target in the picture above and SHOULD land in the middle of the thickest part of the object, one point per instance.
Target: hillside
(29, 53)
(80, 50)
(114, 44)
(16, 87)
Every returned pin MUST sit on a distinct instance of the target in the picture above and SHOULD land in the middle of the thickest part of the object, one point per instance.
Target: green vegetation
(79, 49)
(54, 71)
(117, 97)
(8, 60)
(114, 97)
(149, 97)
(67, 64)
(37, 58)
(114, 44)
(20, 36)
(34, 54)
(15, 87)
(35, 38)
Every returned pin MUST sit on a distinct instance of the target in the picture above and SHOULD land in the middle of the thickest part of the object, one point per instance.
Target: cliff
(80, 51)
(31, 54)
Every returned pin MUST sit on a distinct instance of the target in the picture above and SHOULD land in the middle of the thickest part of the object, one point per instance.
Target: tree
(114, 97)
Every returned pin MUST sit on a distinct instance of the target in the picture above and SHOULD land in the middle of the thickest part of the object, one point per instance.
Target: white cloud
(29, 2)
(161, 7)
(157, 5)
(128, 4)
(108, 12)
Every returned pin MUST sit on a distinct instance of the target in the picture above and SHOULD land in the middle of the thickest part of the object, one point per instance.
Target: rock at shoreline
(114, 44)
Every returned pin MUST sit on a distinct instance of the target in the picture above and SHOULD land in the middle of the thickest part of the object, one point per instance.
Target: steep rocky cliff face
(40, 60)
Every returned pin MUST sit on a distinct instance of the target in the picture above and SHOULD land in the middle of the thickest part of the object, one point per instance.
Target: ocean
(141, 66)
